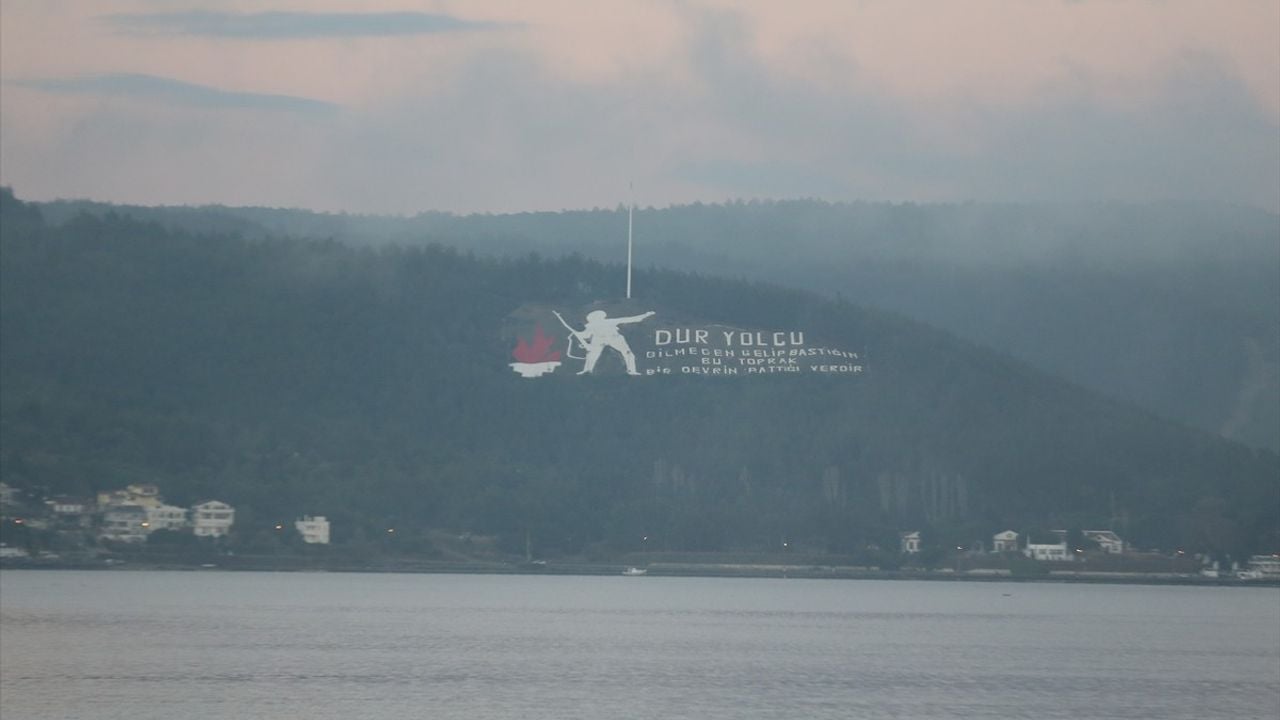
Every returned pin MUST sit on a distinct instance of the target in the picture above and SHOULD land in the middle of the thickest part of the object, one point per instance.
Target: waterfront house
(148, 496)
(124, 523)
(212, 518)
(1049, 552)
(71, 510)
(1004, 542)
(1107, 540)
(909, 542)
(1266, 565)
(166, 517)
(111, 498)
(69, 507)
(12, 553)
(314, 530)
(143, 495)
(8, 495)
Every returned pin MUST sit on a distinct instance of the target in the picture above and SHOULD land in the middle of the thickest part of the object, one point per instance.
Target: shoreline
(606, 569)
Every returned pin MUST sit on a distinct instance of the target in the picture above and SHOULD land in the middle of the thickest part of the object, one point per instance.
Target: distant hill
(373, 385)
(1173, 307)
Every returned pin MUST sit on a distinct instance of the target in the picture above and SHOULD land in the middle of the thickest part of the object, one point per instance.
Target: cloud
(177, 92)
(501, 128)
(777, 136)
(294, 25)
(1197, 133)
(1201, 136)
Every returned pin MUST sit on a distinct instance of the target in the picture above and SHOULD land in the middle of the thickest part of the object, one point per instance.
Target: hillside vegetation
(1173, 307)
(371, 385)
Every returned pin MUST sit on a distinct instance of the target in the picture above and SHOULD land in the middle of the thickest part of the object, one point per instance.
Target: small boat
(633, 571)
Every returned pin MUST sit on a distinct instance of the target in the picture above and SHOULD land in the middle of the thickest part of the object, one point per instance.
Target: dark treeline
(370, 384)
(1173, 307)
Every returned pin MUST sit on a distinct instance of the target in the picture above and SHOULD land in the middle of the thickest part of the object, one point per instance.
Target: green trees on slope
(371, 386)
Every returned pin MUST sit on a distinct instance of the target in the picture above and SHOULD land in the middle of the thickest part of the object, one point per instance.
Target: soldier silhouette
(601, 332)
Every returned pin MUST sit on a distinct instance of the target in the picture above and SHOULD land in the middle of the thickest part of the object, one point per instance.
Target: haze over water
(257, 645)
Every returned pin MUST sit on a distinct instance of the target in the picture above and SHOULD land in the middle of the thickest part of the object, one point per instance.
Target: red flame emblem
(540, 351)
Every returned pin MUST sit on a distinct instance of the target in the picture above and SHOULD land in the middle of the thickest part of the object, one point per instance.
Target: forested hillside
(372, 385)
(1173, 307)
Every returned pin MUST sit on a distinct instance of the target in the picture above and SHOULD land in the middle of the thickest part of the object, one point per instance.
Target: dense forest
(371, 384)
(1173, 307)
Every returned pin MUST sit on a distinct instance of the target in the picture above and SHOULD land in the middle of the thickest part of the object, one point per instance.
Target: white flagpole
(630, 209)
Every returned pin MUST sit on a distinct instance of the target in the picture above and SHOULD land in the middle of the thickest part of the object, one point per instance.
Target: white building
(212, 518)
(1004, 542)
(1057, 552)
(64, 505)
(8, 495)
(124, 523)
(13, 552)
(314, 530)
(166, 517)
(142, 495)
(1267, 565)
(69, 511)
(1107, 540)
(909, 542)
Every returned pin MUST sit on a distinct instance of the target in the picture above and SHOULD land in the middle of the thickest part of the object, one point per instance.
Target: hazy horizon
(500, 106)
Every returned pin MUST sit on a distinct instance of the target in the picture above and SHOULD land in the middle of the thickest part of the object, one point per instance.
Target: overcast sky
(399, 107)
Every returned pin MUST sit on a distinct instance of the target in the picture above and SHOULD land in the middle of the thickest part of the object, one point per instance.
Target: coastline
(709, 570)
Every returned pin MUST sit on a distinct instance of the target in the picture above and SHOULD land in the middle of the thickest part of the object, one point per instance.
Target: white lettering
(836, 368)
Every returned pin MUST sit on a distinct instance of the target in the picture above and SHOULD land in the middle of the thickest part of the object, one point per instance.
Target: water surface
(198, 645)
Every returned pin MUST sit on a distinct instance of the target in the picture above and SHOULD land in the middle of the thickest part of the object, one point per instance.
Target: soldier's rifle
(574, 335)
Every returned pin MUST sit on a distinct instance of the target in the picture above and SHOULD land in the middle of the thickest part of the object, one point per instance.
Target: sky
(398, 107)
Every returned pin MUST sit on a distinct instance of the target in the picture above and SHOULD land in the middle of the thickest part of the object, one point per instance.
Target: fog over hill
(1174, 307)
(375, 385)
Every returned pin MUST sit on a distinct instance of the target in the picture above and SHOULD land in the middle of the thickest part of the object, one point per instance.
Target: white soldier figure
(601, 332)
